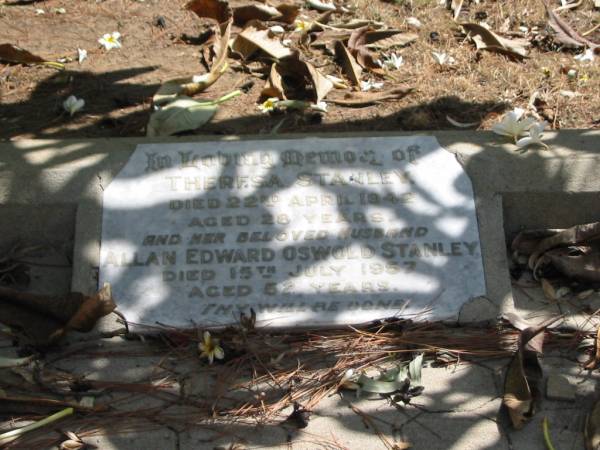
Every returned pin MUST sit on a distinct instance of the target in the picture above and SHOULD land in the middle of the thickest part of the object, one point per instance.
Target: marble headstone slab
(305, 231)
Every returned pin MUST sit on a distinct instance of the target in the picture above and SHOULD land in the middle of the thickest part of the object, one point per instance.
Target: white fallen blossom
(276, 30)
(414, 22)
(369, 84)
(588, 55)
(443, 58)
(511, 124)
(393, 62)
(110, 40)
(82, 55)
(73, 104)
(320, 106)
(535, 136)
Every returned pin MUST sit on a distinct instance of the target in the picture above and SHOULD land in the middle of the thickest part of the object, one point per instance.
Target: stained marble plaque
(305, 231)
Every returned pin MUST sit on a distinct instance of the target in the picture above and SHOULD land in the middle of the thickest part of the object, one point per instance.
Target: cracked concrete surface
(459, 409)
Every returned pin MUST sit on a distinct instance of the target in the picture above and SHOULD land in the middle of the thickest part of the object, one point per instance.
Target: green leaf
(378, 387)
(182, 114)
(12, 435)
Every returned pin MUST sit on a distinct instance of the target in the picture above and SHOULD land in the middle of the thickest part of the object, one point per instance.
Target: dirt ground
(118, 85)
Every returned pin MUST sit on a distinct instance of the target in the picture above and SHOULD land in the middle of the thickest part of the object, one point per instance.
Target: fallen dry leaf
(43, 319)
(13, 54)
(91, 310)
(387, 39)
(217, 10)
(252, 39)
(524, 373)
(358, 49)
(358, 99)
(190, 86)
(347, 62)
(526, 241)
(17, 55)
(578, 234)
(274, 85)
(581, 262)
(297, 79)
(595, 359)
(363, 40)
(566, 35)
(263, 12)
(356, 23)
(485, 39)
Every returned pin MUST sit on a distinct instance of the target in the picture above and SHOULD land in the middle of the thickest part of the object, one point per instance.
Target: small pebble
(160, 22)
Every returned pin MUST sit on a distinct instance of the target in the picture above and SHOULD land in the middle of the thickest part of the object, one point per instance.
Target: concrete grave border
(554, 188)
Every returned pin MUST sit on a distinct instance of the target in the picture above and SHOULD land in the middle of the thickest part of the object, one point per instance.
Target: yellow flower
(584, 77)
(269, 104)
(546, 71)
(210, 348)
(302, 25)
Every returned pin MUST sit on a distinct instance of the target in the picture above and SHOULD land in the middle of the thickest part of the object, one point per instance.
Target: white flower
(39, 12)
(269, 105)
(59, 10)
(321, 6)
(535, 135)
(588, 55)
(110, 41)
(414, 22)
(338, 83)
(81, 55)
(347, 375)
(512, 125)
(393, 61)
(368, 85)
(443, 58)
(276, 30)
(210, 348)
(320, 106)
(572, 74)
(73, 104)
(286, 42)
(302, 25)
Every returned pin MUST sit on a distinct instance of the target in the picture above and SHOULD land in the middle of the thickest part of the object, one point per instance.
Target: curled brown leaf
(485, 39)
(564, 34)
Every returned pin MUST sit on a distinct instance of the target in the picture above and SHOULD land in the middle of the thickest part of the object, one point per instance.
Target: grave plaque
(304, 231)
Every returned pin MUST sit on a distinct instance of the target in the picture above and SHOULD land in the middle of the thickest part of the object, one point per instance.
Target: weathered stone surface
(306, 231)
(160, 439)
(560, 388)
